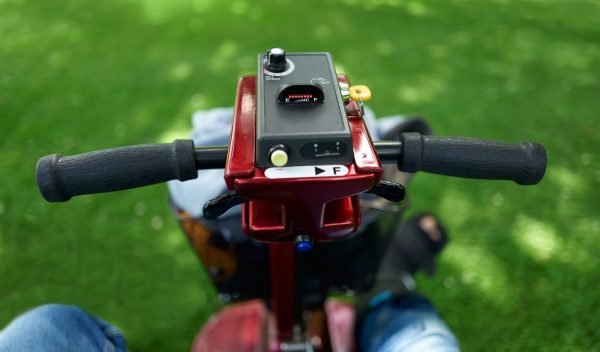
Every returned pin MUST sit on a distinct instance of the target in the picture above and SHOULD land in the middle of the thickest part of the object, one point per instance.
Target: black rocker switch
(217, 206)
(389, 190)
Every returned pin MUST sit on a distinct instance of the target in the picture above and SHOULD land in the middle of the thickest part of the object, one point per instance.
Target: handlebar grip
(524, 163)
(61, 177)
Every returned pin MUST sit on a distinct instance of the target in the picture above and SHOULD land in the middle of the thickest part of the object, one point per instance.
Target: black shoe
(417, 244)
(415, 247)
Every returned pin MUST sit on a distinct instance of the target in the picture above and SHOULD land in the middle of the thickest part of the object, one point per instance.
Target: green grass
(521, 272)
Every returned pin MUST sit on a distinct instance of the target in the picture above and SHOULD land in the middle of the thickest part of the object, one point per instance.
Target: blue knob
(303, 243)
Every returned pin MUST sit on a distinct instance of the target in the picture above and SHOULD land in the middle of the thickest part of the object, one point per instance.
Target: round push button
(279, 157)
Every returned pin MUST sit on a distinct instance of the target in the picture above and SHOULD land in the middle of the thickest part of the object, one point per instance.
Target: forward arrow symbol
(318, 170)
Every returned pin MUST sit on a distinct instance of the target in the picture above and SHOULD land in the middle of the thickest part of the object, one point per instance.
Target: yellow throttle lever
(360, 93)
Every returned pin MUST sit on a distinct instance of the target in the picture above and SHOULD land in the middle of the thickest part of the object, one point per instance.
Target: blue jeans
(60, 328)
(408, 324)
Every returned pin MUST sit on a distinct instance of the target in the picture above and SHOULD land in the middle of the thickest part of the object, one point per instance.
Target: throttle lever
(219, 205)
(389, 190)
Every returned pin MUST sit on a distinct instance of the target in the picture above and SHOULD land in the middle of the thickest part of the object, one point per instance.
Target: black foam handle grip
(61, 177)
(524, 163)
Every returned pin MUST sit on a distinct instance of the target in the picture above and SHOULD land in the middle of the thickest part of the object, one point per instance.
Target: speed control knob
(276, 61)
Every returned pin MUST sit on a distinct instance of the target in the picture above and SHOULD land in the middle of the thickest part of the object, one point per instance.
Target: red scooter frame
(279, 210)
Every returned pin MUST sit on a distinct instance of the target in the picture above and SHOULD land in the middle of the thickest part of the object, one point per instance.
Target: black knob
(276, 60)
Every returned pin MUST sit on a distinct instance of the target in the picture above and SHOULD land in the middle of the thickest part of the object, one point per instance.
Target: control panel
(300, 117)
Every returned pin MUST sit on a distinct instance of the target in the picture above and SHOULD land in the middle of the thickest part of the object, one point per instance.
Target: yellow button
(279, 158)
(360, 93)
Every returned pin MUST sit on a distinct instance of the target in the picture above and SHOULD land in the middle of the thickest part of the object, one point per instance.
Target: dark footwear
(415, 247)
(417, 244)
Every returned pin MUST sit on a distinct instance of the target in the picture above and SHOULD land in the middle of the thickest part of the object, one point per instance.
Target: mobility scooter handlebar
(61, 177)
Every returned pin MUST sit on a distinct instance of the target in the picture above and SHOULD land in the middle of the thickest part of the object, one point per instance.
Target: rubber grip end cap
(537, 161)
(47, 179)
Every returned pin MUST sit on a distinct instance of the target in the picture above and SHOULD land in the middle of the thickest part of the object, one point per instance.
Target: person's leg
(396, 318)
(60, 328)
(404, 323)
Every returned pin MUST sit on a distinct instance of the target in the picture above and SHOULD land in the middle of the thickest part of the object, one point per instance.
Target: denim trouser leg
(60, 328)
(406, 323)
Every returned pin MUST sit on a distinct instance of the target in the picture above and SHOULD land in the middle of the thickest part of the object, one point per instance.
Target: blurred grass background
(522, 270)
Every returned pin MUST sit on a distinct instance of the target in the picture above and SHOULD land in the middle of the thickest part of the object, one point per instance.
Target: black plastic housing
(319, 122)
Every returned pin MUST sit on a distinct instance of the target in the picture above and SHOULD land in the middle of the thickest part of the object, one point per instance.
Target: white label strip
(306, 171)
